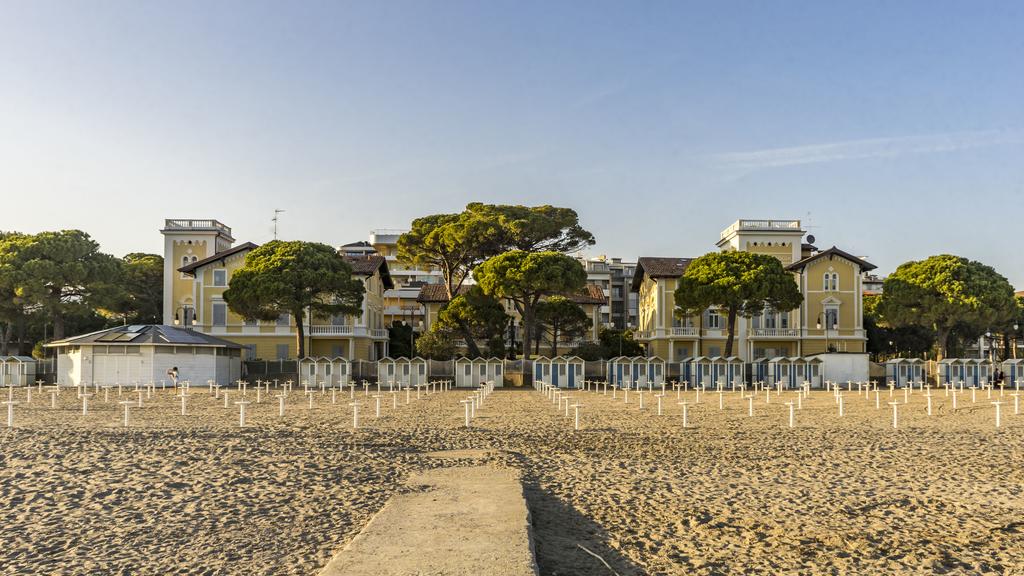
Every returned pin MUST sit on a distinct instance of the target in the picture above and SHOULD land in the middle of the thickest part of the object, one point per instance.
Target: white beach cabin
(904, 371)
(332, 371)
(402, 371)
(17, 370)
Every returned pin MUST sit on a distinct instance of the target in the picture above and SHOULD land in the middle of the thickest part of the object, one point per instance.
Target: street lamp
(184, 315)
(820, 316)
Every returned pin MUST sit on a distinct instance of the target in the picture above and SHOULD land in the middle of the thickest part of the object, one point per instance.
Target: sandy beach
(195, 494)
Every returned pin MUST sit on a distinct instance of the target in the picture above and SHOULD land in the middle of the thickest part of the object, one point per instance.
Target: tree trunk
(554, 340)
(527, 314)
(58, 324)
(731, 324)
(942, 335)
(471, 347)
(5, 339)
(300, 334)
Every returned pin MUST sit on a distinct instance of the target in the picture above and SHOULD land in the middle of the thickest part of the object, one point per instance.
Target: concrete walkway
(458, 521)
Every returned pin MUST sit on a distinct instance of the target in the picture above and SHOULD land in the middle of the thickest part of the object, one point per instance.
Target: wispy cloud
(891, 147)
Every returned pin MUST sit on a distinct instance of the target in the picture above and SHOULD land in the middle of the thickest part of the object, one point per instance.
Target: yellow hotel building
(199, 259)
(830, 318)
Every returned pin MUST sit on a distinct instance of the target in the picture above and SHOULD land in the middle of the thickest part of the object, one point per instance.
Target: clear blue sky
(895, 129)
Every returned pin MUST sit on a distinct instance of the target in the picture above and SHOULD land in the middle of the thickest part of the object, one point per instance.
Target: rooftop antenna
(274, 220)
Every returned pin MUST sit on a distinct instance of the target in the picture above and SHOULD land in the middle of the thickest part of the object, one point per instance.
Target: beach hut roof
(717, 358)
(948, 361)
(1014, 361)
(542, 359)
(686, 360)
(19, 359)
(778, 359)
(733, 359)
(700, 358)
(654, 359)
(140, 334)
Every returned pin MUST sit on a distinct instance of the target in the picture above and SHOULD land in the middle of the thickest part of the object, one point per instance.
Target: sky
(894, 131)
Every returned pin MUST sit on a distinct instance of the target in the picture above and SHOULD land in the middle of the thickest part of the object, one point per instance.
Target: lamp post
(186, 316)
(822, 315)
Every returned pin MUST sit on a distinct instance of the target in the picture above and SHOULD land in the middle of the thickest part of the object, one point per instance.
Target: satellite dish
(810, 238)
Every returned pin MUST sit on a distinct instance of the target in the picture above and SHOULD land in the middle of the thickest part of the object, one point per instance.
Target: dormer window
(220, 278)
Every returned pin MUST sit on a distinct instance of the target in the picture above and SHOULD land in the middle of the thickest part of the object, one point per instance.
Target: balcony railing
(189, 224)
(774, 332)
(684, 331)
(345, 330)
(760, 225)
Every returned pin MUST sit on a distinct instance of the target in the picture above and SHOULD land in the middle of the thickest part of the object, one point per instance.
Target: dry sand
(195, 495)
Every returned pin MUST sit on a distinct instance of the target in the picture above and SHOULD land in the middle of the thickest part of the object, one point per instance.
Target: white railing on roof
(760, 225)
(189, 224)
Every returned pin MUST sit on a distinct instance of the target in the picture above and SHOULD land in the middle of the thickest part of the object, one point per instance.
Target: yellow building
(199, 260)
(592, 299)
(830, 318)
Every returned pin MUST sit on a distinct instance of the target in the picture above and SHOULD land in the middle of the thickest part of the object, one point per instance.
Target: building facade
(199, 260)
(829, 319)
(614, 277)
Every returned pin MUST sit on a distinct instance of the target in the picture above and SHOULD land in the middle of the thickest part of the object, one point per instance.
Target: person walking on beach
(173, 375)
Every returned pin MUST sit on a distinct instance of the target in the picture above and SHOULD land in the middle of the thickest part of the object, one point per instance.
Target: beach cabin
(904, 371)
(700, 371)
(686, 369)
(620, 370)
(473, 373)
(724, 371)
(653, 370)
(542, 370)
(793, 371)
(567, 371)
(813, 371)
(1013, 370)
(402, 371)
(332, 371)
(759, 370)
(17, 370)
(145, 353)
(949, 371)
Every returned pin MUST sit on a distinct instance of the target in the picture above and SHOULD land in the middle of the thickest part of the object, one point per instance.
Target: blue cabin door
(572, 376)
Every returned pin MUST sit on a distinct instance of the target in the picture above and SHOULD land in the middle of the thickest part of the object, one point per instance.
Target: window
(283, 320)
(220, 314)
(830, 282)
(469, 370)
(282, 351)
(220, 277)
(682, 352)
(249, 352)
(714, 351)
(483, 370)
(713, 320)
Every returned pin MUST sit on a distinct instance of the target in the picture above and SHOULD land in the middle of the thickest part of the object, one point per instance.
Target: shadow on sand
(558, 529)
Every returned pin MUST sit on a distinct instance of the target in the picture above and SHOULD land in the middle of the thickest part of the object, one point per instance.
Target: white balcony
(774, 332)
(344, 330)
(761, 225)
(188, 224)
